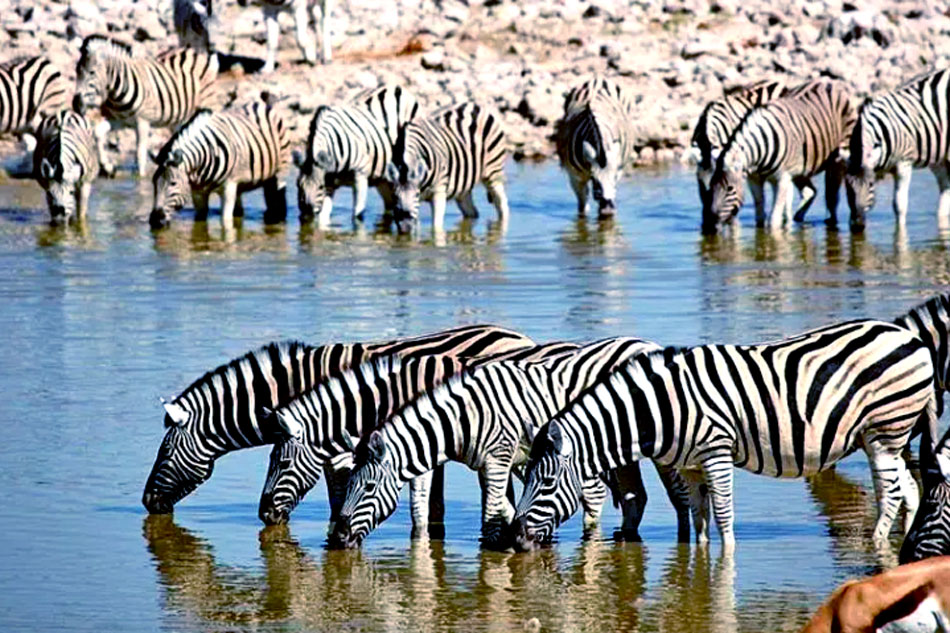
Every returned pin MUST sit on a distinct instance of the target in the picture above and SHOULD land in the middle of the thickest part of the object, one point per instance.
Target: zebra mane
(272, 348)
(93, 43)
(198, 119)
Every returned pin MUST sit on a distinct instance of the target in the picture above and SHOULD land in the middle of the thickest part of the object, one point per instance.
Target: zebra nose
(158, 219)
(524, 539)
(607, 209)
(270, 514)
(405, 225)
(154, 503)
(57, 214)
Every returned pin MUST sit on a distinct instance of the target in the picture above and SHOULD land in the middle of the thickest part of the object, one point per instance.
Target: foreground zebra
(786, 141)
(31, 88)
(225, 153)
(322, 424)
(65, 163)
(140, 92)
(351, 145)
(786, 409)
(442, 157)
(302, 10)
(485, 419)
(594, 141)
(896, 132)
(221, 411)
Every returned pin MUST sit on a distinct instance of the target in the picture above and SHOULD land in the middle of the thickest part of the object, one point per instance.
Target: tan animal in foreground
(910, 598)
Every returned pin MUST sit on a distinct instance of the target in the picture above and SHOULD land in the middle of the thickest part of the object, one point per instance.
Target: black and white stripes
(31, 88)
(65, 163)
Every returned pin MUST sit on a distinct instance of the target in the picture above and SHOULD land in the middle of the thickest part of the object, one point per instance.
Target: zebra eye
(284, 462)
(548, 482)
(370, 487)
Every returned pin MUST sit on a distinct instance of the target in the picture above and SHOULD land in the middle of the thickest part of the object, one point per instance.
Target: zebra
(226, 153)
(220, 412)
(442, 156)
(595, 141)
(784, 409)
(65, 163)
(302, 10)
(140, 92)
(896, 132)
(31, 89)
(350, 145)
(786, 141)
(192, 20)
(484, 418)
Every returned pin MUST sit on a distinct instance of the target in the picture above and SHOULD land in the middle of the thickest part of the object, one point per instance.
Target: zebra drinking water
(65, 163)
(784, 409)
(141, 92)
(896, 132)
(442, 157)
(225, 153)
(350, 145)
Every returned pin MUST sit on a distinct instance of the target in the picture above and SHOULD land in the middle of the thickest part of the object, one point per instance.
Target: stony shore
(674, 55)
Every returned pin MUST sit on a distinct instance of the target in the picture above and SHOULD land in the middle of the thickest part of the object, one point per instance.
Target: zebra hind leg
(275, 201)
(942, 173)
(273, 34)
(467, 205)
(888, 472)
(719, 471)
(305, 40)
(678, 490)
(808, 196)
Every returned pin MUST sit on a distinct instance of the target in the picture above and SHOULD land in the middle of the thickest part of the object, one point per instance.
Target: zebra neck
(931, 323)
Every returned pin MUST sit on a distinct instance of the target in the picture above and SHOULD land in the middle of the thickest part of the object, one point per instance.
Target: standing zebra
(595, 140)
(486, 419)
(302, 10)
(31, 88)
(65, 163)
(351, 145)
(141, 92)
(442, 156)
(786, 141)
(192, 19)
(226, 153)
(785, 409)
(896, 132)
(221, 411)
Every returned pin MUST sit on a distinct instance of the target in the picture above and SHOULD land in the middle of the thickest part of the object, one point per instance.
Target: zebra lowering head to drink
(302, 11)
(442, 156)
(222, 410)
(896, 132)
(484, 418)
(350, 145)
(785, 409)
(595, 140)
(141, 92)
(784, 142)
(65, 163)
(31, 89)
(226, 153)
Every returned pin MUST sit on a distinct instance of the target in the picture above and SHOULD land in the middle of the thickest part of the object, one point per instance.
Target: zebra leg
(336, 471)
(497, 511)
(888, 471)
(633, 499)
(808, 196)
(438, 211)
(496, 193)
(82, 200)
(323, 218)
(902, 190)
(360, 184)
(419, 488)
(781, 205)
(275, 201)
(943, 184)
(101, 132)
(698, 503)
(306, 42)
(273, 33)
(911, 499)
(718, 470)
(834, 176)
(758, 198)
(579, 185)
(437, 504)
(142, 128)
(593, 495)
(678, 490)
(200, 201)
(228, 200)
(467, 205)
(321, 20)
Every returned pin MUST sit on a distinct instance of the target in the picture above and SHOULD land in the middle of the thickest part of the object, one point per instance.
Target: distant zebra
(786, 141)
(141, 92)
(302, 10)
(65, 163)
(595, 140)
(31, 88)
(442, 157)
(192, 20)
(785, 409)
(350, 145)
(221, 411)
(896, 132)
(226, 153)
(485, 418)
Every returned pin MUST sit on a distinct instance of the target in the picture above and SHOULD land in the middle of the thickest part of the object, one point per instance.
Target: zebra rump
(31, 89)
(65, 163)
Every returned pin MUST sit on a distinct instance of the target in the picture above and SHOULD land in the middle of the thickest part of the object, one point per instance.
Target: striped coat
(65, 163)
(31, 88)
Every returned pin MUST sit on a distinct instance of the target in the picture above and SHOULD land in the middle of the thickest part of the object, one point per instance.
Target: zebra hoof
(629, 536)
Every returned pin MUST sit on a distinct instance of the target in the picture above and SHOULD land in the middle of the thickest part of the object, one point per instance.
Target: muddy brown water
(102, 320)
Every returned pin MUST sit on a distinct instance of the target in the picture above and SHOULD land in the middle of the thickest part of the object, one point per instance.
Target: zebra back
(65, 141)
(930, 322)
(393, 105)
(31, 88)
(599, 112)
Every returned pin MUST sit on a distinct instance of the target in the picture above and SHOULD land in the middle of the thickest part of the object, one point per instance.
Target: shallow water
(103, 320)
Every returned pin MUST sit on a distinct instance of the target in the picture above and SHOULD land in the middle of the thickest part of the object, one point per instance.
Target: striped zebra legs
(757, 188)
(888, 471)
(438, 211)
(419, 495)
(782, 204)
(498, 198)
(579, 185)
(467, 206)
(142, 129)
(902, 174)
(718, 470)
(943, 183)
(498, 511)
(273, 34)
(808, 195)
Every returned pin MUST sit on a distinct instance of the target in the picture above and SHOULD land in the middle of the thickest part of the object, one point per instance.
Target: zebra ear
(290, 426)
(175, 158)
(322, 160)
(199, 8)
(556, 438)
(47, 170)
(299, 158)
(176, 414)
(392, 172)
(377, 446)
(590, 154)
(153, 155)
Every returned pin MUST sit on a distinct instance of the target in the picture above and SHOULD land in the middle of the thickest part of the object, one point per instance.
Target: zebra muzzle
(158, 219)
(156, 503)
(271, 514)
(524, 539)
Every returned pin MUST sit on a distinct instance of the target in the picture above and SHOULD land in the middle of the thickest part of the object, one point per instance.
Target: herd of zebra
(572, 422)
(765, 131)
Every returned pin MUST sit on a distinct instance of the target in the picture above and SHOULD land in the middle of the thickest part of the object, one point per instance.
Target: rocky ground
(524, 55)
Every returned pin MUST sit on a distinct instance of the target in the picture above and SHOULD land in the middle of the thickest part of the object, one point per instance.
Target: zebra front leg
(101, 132)
(360, 184)
(902, 175)
(142, 128)
(911, 499)
(781, 205)
(887, 471)
(273, 33)
(438, 212)
(834, 176)
(323, 217)
(437, 504)
(275, 201)
(808, 196)
(389, 198)
(497, 510)
(593, 495)
(467, 205)
(579, 185)
(419, 489)
(82, 200)
(758, 198)
(718, 471)
(943, 184)
(321, 20)
(336, 471)
(199, 200)
(496, 193)
(305, 40)
(228, 200)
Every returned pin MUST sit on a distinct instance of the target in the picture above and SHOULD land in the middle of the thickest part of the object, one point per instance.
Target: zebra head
(552, 489)
(407, 182)
(94, 71)
(929, 534)
(294, 469)
(866, 153)
(605, 167)
(726, 190)
(371, 493)
(61, 183)
(182, 464)
(170, 185)
(312, 190)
